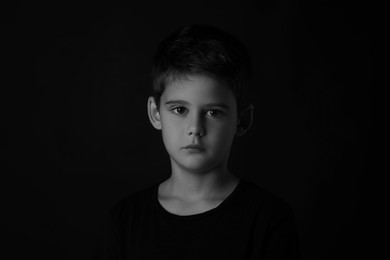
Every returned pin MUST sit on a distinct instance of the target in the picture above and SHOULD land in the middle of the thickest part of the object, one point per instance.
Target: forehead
(199, 89)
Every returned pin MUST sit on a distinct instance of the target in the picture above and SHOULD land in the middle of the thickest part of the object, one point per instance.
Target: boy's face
(202, 111)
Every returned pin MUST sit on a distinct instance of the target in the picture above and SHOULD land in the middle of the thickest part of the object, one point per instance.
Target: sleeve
(282, 242)
(107, 246)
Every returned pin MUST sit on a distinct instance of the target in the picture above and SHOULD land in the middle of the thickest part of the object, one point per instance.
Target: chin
(198, 166)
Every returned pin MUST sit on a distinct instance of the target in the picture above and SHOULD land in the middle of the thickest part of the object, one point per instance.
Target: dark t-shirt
(249, 224)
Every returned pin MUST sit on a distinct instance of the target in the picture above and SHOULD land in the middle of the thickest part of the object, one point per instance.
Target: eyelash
(218, 111)
(175, 110)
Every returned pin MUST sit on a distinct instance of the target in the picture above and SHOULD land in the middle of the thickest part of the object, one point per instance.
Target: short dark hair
(202, 49)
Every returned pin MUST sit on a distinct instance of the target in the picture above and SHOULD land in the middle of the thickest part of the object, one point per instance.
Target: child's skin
(197, 110)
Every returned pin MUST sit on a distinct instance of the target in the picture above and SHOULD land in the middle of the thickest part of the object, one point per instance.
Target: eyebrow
(182, 102)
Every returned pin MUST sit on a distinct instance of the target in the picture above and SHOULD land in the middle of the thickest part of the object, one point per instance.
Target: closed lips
(194, 147)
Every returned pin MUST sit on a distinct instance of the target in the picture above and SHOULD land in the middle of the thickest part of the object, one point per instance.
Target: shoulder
(265, 202)
(133, 203)
(274, 224)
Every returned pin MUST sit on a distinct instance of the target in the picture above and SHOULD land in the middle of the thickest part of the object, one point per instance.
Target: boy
(202, 211)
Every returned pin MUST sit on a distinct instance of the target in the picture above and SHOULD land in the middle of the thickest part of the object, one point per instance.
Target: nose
(196, 127)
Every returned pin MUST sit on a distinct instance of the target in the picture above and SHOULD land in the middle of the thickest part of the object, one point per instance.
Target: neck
(194, 186)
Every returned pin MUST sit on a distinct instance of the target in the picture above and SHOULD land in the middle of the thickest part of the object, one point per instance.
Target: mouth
(194, 147)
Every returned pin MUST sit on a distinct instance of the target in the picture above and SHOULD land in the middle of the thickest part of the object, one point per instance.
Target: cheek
(224, 134)
(170, 131)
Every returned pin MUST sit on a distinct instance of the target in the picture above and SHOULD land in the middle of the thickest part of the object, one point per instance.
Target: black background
(76, 137)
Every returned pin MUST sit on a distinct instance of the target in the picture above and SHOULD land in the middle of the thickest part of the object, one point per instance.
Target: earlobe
(245, 121)
(154, 114)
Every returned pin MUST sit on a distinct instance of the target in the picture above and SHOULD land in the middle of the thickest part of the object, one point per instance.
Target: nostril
(195, 131)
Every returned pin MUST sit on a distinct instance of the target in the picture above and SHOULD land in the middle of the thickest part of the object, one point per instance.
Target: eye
(179, 110)
(215, 113)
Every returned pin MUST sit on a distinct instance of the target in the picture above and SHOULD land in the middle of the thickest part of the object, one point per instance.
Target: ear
(154, 114)
(245, 120)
